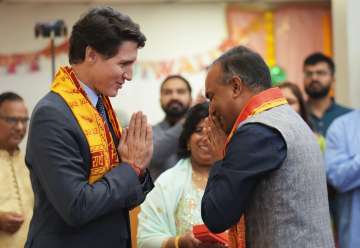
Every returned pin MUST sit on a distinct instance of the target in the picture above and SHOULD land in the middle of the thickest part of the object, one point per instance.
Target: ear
(90, 55)
(236, 86)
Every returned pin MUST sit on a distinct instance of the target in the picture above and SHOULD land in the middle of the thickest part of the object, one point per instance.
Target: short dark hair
(104, 29)
(304, 113)
(318, 57)
(195, 115)
(9, 96)
(178, 77)
(248, 65)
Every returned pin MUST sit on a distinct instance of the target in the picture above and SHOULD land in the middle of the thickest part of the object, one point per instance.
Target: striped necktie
(101, 109)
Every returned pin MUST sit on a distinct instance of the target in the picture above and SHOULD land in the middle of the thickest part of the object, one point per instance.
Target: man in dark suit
(86, 174)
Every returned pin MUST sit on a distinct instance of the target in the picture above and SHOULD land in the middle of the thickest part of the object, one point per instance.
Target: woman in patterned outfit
(174, 205)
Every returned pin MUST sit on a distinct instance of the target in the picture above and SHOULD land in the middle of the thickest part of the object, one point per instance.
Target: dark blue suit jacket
(70, 212)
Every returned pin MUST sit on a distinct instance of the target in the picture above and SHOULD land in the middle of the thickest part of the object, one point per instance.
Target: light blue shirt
(93, 97)
(342, 156)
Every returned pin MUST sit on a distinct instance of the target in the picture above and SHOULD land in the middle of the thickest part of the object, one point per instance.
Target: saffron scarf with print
(261, 102)
(102, 147)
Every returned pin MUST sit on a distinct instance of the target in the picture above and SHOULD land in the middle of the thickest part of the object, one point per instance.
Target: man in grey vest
(270, 169)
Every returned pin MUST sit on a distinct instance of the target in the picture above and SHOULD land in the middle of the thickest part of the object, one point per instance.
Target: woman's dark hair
(103, 29)
(297, 93)
(195, 115)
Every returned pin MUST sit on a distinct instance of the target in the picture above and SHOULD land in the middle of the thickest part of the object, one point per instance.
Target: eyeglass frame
(13, 121)
(318, 73)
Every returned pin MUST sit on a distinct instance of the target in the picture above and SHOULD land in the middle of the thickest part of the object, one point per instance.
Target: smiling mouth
(204, 148)
(17, 137)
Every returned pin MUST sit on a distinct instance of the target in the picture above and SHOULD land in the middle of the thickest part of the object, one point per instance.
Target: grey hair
(248, 65)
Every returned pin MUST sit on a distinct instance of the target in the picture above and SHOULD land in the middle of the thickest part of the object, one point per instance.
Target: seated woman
(174, 205)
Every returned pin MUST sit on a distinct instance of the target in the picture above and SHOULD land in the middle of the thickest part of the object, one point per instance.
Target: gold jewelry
(199, 180)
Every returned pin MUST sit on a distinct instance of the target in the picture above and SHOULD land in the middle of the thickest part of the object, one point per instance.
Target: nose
(314, 76)
(128, 74)
(20, 125)
(175, 94)
(203, 135)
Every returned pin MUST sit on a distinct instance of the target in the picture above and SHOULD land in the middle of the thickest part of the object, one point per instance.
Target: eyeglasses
(320, 73)
(13, 121)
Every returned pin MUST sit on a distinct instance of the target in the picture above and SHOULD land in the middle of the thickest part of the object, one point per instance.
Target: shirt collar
(93, 97)
(330, 108)
(6, 154)
(332, 105)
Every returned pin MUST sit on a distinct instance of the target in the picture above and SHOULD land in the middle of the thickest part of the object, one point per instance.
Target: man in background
(175, 100)
(16, 197)
(319, 78)
(342, 157)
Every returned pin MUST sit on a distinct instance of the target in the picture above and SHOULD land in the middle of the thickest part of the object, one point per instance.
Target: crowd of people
(269, 166)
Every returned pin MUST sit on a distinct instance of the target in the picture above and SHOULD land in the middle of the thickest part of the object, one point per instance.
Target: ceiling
(155, 1)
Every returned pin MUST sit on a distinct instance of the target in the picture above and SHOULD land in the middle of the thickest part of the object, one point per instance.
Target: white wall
(172, 30)
(346, 36)
(353, 30)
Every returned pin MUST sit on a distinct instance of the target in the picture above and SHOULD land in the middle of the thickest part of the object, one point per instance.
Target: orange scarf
(102, 147)
(261, 102)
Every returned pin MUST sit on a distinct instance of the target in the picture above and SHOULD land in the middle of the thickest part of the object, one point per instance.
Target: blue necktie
(101, 109)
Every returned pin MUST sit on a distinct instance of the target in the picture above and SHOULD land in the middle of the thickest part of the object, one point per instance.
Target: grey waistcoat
(289, 208)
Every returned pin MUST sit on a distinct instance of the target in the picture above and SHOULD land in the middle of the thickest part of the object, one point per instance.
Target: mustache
(315, 82)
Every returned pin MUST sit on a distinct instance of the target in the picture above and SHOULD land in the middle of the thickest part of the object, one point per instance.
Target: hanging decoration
(277, 74)
(143, 69)
(11, 62)
(295, 29)
(269, 38)
(30, 59)
(259, 29)
(327, 42)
